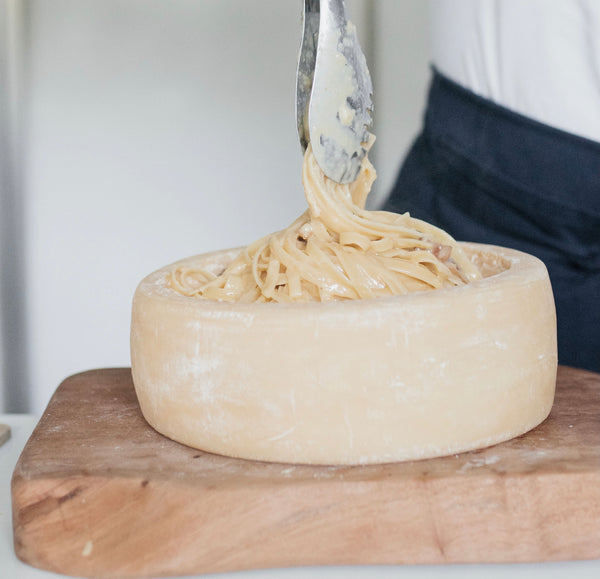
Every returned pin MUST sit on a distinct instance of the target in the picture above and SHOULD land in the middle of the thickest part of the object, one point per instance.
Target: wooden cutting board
(97, 492)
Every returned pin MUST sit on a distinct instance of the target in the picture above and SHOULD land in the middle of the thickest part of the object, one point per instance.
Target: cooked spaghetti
(337, 250)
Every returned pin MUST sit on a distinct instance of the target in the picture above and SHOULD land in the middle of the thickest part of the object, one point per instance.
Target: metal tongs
(333, 91)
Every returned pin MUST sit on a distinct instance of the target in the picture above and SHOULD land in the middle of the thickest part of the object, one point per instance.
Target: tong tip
(334, 91)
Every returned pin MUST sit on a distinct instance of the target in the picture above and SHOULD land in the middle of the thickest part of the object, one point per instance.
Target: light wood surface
(99, 493)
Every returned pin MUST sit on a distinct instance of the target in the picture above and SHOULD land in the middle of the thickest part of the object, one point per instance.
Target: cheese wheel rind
(357, 382)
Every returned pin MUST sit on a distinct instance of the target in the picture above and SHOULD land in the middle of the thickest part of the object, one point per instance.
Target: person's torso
(540, 58)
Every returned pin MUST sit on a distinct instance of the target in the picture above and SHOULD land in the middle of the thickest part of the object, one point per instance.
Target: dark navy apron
(486, 174)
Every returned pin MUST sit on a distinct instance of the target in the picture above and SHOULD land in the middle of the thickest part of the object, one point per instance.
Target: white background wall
(149, 130)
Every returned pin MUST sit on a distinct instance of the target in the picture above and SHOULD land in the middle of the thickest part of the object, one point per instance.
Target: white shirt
(540, 58)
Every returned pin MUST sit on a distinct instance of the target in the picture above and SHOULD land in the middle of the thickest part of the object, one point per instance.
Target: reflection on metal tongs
(333, 91)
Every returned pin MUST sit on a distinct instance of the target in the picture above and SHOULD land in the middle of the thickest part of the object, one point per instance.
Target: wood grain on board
(98, 493)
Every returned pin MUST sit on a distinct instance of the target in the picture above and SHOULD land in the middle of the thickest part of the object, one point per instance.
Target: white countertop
(12, 568)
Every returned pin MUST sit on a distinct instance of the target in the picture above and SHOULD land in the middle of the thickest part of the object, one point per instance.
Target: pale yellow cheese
(357, 382)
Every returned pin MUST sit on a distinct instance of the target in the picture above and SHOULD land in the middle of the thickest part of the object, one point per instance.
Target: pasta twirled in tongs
(337, 250)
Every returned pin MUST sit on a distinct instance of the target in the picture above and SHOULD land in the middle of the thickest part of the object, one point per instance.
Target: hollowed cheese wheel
(356, 382)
